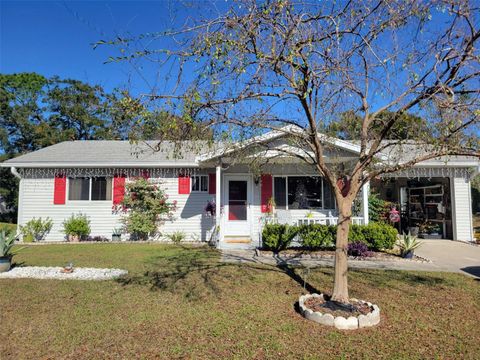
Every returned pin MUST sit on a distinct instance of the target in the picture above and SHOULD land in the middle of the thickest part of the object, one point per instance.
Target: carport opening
(425, 205)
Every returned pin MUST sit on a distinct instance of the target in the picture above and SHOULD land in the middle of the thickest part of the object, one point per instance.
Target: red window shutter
(118, 189)
(343, 184)
(212, 183)
(184, 184)
(60, 190)
(266, 192)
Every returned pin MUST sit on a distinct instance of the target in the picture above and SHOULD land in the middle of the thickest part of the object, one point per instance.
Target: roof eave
(170, 164)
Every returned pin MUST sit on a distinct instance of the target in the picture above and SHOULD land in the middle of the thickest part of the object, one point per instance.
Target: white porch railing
(330, 220)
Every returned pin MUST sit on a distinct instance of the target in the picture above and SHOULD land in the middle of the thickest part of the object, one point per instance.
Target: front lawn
(181, 302)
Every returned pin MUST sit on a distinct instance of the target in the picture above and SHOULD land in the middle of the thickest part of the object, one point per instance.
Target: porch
(245, 202)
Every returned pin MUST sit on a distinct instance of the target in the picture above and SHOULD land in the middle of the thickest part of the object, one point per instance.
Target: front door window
(237, 200)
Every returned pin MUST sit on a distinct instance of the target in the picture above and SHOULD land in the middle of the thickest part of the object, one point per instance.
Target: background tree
(407, 126)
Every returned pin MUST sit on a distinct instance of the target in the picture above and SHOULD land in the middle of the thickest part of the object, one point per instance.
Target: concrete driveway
(452, 256)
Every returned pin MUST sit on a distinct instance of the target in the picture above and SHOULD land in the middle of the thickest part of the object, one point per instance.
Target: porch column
(218, 195)
(365, 192)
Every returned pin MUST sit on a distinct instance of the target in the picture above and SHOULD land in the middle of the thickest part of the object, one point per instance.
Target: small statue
(67, 269)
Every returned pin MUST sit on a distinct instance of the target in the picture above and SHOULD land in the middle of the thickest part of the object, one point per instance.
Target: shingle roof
(113, 152)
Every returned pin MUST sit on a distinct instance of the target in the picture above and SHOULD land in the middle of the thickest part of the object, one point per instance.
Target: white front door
(237, 200)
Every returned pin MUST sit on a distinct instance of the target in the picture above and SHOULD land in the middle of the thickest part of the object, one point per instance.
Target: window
(101, 188)
(302, 192)
(199, 183)
(78, 189)
(280, 192)
(95, 189)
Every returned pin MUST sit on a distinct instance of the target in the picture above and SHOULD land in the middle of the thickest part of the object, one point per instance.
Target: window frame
(286, 192)
(192, 182)
(90, 187)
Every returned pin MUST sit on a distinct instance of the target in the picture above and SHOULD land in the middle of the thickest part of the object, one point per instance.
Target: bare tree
(294, 66)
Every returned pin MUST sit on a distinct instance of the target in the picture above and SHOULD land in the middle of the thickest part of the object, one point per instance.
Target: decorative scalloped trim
(340, 322)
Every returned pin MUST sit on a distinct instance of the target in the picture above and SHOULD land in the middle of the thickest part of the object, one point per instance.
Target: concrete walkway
(445, 255)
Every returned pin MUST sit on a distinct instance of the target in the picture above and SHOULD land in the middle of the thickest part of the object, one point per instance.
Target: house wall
(36, 200)
(462, 209)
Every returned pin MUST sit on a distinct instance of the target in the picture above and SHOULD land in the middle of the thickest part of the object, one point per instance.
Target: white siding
(36, 200)
(461, 209)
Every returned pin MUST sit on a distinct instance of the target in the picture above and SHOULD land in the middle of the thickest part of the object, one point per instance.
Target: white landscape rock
(340, 322)
(42, 272)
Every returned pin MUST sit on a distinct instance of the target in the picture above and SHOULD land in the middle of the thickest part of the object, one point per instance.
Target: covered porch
(287, 194)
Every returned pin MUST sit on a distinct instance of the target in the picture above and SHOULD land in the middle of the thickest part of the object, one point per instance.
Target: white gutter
(96, 165)
(14, 171)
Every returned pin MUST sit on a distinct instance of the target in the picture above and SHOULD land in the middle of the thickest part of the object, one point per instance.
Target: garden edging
(340, 322)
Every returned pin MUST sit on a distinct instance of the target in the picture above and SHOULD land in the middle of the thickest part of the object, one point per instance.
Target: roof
(98, 153)
(153, 153)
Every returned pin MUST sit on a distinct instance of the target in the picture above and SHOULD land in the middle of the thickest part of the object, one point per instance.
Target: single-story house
(89, 177)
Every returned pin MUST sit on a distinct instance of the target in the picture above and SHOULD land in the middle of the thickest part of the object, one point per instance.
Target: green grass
(181, 302)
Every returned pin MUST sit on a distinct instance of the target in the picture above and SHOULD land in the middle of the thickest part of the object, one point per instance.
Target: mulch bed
(330, 254)
(355, 308)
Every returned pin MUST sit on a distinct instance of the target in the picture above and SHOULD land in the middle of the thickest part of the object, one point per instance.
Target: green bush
(378, 208)
(36, 229)
(278, 237)
(177, 237)
(77, 225)
(377, 236)
(317, 236)
(147, 207)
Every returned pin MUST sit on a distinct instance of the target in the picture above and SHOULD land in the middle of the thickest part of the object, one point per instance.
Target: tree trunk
(340, 285)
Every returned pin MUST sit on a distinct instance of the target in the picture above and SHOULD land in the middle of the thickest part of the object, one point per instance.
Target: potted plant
(7, 241)
(117, 234)
(429, 230)
(76, 227)
(408, 244)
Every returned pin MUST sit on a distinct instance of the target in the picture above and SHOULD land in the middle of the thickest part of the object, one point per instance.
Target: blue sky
(55, 37)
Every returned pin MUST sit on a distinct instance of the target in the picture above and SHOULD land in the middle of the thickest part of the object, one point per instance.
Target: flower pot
(408, 255)
(73, 238)
(5, 264)
(413, 230)
(116, 237)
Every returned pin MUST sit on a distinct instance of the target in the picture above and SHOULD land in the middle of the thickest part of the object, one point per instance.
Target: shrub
(36, 229)
(377, 236)
(408, 243)
(278, 237)
(317, 236)
(147, 207)
(358, 248)
(77, 225)
(177, 237)
(378, 208)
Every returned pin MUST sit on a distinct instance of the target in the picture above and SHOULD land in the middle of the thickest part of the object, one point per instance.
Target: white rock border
(340, 322)
(79, 273)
